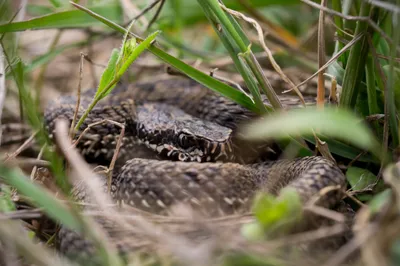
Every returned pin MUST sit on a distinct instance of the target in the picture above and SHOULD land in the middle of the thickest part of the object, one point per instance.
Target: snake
(182, 145)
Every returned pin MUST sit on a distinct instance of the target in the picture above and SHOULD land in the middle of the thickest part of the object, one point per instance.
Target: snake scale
(181, 145)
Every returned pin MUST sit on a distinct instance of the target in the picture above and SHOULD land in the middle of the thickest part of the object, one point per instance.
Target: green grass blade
(65, 19)
(355, 66)
(213, 84)
(40, 197)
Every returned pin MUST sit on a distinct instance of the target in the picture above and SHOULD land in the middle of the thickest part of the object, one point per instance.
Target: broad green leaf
(378, 201)
(39, 196)
(360, 178)
(108, 74)
(65, 19)
(331, 122)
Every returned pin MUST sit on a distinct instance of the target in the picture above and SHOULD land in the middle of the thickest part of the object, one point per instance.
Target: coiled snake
(184, 136)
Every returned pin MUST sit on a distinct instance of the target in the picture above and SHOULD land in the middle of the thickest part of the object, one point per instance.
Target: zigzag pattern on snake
(180, 145)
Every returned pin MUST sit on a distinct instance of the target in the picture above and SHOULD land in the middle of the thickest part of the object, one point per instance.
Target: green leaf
(345, 150)
(379, 201)
(216, 85)
(278, 213)
(136, 52)
(331, 122)
(253, 231)
(65, 19)
(39, 196)
(360, 178)
(108, 74)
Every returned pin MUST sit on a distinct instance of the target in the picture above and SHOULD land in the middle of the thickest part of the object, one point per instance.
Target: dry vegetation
(361, 47)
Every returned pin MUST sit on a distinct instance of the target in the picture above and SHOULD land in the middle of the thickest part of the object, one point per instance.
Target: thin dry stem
(321, 58)
(78, 98)
(95, 124)
(90, 180)
(33, 173)
(266, 49)
(330, 61)
(347, 17)
(327, 213)
(21, 148)
(156, 14)
(129, 7)
(115, 156)
(2, 87)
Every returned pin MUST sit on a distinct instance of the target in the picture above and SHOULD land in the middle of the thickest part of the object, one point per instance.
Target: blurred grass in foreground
(368, 75)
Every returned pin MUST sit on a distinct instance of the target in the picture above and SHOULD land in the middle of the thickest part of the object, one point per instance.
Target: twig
(128, 6)
(330, 61)
(333, 215)
(29, 162)
(33, 173)
(87, 58)
(78, 98)
(22, 214)
(2, 87)
(385, 5)
(115, 156)
(321, 58)
(145, 10)
(156, 14)
(347, 17)
(266, 49)
(24, 145)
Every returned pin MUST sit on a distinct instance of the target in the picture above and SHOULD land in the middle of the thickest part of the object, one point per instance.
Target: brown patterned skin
(152, 183)
(218, 189)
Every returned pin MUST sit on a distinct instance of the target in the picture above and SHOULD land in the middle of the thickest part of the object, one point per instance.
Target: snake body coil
(184, 136)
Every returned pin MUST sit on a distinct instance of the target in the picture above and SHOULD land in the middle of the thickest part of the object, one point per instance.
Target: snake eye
(183, 141)
(186, 141)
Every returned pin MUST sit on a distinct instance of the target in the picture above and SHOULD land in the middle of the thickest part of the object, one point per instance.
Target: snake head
(178, 136)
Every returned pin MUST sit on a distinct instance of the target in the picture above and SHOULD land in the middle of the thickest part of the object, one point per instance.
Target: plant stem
(356, 64)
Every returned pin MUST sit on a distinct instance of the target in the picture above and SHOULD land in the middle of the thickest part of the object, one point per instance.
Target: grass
(361, 131)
